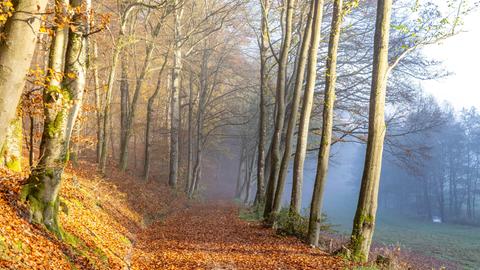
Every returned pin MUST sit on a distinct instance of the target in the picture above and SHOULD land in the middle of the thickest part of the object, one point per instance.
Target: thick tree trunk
(264, 45)
(175, 100)
(16, 53)
(302, 138)
(327, 126)
(62, 105)
(280, 113)
(292, 121)
(364, 223)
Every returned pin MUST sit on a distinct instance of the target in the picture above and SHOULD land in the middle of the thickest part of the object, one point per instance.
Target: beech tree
(63, 98)
(327, 125)
(301, 150)
(364, 223)
(16, 52)
(280, 108)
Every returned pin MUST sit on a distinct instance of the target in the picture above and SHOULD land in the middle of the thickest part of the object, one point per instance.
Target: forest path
(211, 236)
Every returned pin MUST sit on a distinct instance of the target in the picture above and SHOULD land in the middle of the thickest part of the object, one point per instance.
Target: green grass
(455, 243)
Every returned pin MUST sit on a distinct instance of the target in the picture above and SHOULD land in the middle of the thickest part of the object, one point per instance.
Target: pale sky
(461, 56)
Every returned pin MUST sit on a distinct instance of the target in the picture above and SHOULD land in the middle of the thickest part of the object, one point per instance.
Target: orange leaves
(211, 236)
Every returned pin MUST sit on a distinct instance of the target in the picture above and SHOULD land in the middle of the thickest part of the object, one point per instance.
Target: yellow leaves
(71, 75)
(6, 10)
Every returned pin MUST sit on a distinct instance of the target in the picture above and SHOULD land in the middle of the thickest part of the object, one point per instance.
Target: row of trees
(305, 105)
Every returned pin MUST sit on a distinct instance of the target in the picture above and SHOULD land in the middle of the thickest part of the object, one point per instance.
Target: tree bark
(62, 104)
(264, 45)
(99, 97)
(133, 107)
(124, 101)
(292, 121)
(302, 138)
(327, 126)
(16, 53)
(11, 150)
(364, 222)
(280, 112)
(190, 136)
(175, 99)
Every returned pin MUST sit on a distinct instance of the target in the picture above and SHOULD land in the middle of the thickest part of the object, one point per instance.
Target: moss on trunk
(41, 192)
(11, 151)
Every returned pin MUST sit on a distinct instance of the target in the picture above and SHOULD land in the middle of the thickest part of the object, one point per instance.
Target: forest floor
(123, 222)
(210, 235)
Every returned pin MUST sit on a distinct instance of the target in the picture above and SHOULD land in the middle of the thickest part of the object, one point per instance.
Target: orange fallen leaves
(211, 236)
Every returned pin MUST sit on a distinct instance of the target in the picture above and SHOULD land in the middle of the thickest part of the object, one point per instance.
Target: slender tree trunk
(327, 126)
(302, 138)
(31, 152)
(264, 45)
(16, 53)
(202, 96)
(133, 107)
(148, 144)
(98, 99)
(107, 108)
(190, 136)
(364, 223)
(175, 99)
(292, 121)
(248, 179)
(62, 104)
(238, 190)
(280, 113)
(124, 97)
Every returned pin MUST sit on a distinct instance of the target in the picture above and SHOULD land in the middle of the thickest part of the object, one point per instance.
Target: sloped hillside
(99, 217)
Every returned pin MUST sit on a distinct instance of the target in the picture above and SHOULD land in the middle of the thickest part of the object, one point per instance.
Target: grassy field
(455, 243)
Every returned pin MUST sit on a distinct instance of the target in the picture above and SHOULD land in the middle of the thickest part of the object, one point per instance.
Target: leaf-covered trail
(211, 236)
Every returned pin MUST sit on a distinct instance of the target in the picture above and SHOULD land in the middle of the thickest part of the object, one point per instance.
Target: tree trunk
(280, 112)
(327, 126)
(148, 144)
(238, 190)
(190, 136)
(364, 223)
(302, 138)
(31, 150)
(16, 53)
(175, 99)
(98, 99)
(124, 101)
(202, 100)
(292, 121)
(264, 46)
(62, 104)
(133, 107)
(107, 108)
(11, 151)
